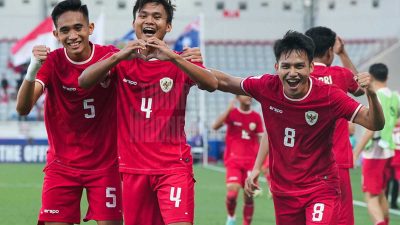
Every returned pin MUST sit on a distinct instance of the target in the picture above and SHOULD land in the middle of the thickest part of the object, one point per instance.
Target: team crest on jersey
(166, 84)
(311, 117)
(252, 126)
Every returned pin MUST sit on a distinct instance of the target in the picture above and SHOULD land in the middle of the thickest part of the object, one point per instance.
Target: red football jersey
(80, 124)
(151, 117)
(300, 132)
(242, 133)
(344, 79)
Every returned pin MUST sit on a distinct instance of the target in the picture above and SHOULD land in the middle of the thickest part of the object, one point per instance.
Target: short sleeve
(352, 83)
(343, 105)
(251, 85)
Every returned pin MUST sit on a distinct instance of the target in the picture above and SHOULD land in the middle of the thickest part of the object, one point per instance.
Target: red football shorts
(235, 174)
(375, 174)
(158, 199)
(62, 192)
(396, 164)
(346, 215)
(319, 207)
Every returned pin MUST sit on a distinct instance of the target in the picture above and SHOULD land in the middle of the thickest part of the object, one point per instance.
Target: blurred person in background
(378, 148)
(395, 166)
(244, 130)
(327, 44)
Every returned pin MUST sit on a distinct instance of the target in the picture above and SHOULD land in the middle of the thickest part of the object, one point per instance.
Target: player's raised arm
(202, 77)
(30, 91)
(371, 118)
(228, 83)
(97, 72)
(222, 118)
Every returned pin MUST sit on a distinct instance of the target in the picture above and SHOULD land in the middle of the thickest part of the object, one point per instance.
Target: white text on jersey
(131, 82)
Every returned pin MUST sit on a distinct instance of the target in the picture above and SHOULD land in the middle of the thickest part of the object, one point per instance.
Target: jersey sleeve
(343, 105)
(253, 84)
(352, 86)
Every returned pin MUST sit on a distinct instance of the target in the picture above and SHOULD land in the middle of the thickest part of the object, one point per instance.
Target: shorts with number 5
(62, 193)
(319, 207)
(158, 199)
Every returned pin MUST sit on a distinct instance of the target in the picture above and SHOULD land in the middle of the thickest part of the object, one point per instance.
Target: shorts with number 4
(158, 199)
(319, 207)
(62, 193)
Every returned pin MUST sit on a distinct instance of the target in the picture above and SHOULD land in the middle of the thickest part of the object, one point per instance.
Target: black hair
(294, 41)
(168, 6)
(323, 37)
(69, 5)
(379, 71)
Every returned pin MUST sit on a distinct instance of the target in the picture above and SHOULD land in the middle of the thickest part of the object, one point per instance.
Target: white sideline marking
(262, 179)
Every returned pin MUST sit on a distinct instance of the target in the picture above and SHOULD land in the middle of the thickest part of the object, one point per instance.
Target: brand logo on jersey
(237, 123)
(131, 82)
(252, 126)
(166, 84)
(311, 117)
(68, 88)
(51, 211)
(275, 109)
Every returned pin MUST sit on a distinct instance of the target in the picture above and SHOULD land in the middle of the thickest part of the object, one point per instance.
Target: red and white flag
(42, 35)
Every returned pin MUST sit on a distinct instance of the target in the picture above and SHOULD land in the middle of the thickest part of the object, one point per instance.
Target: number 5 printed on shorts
(175, 197)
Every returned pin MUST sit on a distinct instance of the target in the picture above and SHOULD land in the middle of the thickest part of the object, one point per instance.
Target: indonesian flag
(41, 35)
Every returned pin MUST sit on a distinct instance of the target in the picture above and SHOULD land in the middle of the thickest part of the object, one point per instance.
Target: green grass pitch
(20, 190)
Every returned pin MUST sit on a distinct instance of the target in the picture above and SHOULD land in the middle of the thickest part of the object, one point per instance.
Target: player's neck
(244, 108)
(86, 53)
(379, 85)
(322, 60)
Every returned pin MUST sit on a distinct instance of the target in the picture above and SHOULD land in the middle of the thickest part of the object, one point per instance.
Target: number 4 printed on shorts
(175, 197)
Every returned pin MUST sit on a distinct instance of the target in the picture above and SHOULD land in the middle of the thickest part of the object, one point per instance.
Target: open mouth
(293, 83)
(149, 31)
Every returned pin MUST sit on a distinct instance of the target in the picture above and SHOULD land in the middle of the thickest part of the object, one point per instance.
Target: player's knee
(231, 195)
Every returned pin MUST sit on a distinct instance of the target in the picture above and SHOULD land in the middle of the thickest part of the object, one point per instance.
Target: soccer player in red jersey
(76, 120)
(152, 85)
(300, 115)
(327, 44)
(244, 128)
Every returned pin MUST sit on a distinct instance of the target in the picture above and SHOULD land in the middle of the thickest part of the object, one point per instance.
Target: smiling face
(73, 30)
(294, 70)
(151, 21)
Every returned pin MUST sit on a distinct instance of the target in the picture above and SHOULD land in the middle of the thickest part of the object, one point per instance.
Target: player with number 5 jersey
(81, 124)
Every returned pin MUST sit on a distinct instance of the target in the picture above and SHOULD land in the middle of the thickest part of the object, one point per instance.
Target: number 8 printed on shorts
(318, 212)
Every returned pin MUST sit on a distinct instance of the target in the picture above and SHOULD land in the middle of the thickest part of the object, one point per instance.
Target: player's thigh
(288, 210)
(175, 194)
(104, 195)
(61, 197)
(323, 207)
(140, 203)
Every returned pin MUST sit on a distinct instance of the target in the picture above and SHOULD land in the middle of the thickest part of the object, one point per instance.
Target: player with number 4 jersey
(152, 84)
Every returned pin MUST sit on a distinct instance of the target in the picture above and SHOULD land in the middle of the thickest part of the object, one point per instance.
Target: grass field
(20, 189)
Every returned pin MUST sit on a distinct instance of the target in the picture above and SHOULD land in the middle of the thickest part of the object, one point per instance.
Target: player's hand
(251, 184)
(160, 50)
(365, 81)
(133, 49)
(39, 53)
(192, 54)
(338, 47)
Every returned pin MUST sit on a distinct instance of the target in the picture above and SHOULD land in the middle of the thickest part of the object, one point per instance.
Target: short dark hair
(168, 6)
(294, 41)
(379, 71)
(323, 37)
(69, 5)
